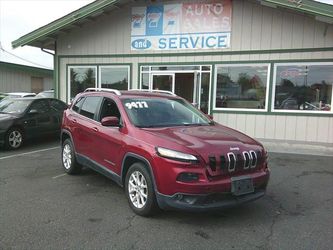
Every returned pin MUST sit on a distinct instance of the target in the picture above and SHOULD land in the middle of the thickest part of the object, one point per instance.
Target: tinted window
(90, 105)
(57, 105)
(41, 106)
(147, 112)
(14, 106)
(76, 107)
(109, 108)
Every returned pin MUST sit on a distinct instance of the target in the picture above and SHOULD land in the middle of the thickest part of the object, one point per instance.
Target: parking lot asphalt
(43, 208)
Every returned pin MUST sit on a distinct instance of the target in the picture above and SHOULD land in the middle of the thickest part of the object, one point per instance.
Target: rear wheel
(14, 138)
(68, 158)
(140, 190)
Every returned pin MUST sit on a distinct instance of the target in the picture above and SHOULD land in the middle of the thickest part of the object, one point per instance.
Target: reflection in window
(204, 102)
(241, 86)
(162, 82)
(145, 81)
(114, 77)
(90, 105)
(303, 87)
(80, 79)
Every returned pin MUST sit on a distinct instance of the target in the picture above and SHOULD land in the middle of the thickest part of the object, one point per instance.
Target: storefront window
(114, 77)
(81, 78)
(242, 86)
(306, 87)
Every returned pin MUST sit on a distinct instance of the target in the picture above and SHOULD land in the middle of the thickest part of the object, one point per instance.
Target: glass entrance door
(186, 86)
(182, 84)
(192, 82)
(163, 82)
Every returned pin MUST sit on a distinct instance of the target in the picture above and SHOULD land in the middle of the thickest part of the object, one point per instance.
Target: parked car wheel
(68, 158)
(14, 138)
(140, 190)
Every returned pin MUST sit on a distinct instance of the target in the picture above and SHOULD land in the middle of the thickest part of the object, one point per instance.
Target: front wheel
(140, 190)
(14, 138)
(68, 158)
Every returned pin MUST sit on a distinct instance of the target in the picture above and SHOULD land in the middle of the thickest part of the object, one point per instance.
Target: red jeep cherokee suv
(164, 151)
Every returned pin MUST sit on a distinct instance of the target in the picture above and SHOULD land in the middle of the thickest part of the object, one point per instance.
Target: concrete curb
(293, 148)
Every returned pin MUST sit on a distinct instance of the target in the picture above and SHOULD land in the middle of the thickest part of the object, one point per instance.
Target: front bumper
(208, 202)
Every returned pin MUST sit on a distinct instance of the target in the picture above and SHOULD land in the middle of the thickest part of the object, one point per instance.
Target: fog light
(188, 177)
(179, 197)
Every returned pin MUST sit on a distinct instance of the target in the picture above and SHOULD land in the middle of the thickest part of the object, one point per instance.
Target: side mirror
(110, 121)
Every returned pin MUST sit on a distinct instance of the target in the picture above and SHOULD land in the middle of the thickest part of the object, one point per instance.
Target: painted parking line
(58, 176)
(28, 153)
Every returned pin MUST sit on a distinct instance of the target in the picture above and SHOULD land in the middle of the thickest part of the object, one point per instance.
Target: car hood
(6, 117)
(205, 139)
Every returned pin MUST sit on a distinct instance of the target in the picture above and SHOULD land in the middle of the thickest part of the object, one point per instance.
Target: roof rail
(115, 91)
(154, 91)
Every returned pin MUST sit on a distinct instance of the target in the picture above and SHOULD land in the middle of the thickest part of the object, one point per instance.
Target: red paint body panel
(107, 146)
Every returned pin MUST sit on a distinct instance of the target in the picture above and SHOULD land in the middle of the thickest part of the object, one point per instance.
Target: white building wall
(254, 28)
(11, 81)
(18, 81)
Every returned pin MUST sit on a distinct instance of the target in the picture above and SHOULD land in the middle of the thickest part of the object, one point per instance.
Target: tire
(140, 190)
(68, 158)
(14, 138)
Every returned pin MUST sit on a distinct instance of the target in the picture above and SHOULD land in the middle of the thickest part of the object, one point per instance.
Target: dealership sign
(181, 26)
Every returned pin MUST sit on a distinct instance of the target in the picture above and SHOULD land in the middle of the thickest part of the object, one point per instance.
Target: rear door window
(78, 104)
(57, 105)
(41, 106)
(90, 107)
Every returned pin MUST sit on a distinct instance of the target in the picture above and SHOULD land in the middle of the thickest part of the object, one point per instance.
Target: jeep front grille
(234, 162)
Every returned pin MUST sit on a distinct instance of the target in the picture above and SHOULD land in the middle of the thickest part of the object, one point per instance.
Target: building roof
(46, 36)
(27, 69)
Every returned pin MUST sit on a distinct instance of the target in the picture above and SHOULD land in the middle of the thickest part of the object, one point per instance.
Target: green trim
(63, 22)
(26, 69)
(270, 88)
(305, 6)
(55, 77)
(208, 53)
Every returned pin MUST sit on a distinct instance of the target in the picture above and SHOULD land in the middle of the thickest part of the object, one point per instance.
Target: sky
(20, 17)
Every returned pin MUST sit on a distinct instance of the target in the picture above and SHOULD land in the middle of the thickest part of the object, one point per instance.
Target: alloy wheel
(67, 156)
(15, 139)
(138, 189)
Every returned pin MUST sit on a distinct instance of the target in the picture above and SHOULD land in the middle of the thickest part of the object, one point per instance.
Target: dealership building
(264, 67)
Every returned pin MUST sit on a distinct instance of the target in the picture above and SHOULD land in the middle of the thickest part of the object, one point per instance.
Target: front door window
(163, 82)
(190, 82)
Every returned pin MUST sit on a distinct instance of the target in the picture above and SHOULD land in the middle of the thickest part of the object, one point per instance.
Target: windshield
(14, 106)
(148, 113)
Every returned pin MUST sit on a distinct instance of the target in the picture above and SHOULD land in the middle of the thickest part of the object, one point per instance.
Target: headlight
(175, 155)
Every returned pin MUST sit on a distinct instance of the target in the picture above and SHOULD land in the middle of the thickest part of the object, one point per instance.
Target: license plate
(241, 185)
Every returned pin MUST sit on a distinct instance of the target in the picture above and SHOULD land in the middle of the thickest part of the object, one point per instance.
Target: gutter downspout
(54, 68)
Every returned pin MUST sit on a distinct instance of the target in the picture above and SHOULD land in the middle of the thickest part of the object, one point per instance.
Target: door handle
(95, 129)
(74, 121)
